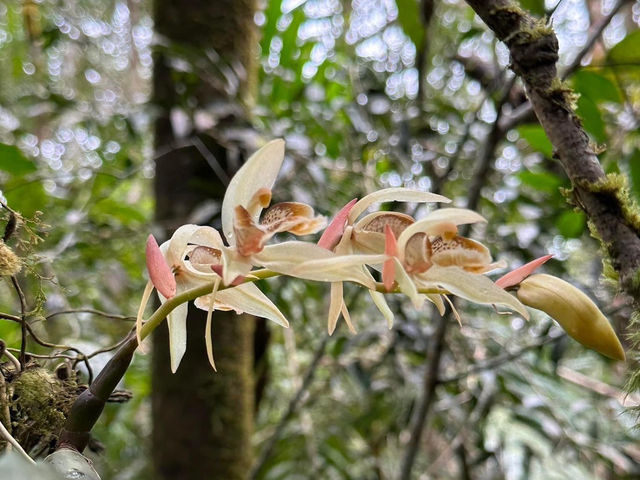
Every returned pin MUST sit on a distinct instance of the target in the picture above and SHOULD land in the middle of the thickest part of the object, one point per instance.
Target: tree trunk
(202, 420)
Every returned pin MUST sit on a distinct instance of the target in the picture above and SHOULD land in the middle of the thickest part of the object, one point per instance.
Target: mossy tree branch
(534, 52)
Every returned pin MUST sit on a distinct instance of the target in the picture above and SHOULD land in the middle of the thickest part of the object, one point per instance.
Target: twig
(525, 111)
(113, 316)
(267, 451)
(8, 316)
(428, 395)
(593, 38)
(23, 320)
(498, 361)
(5, 351)
(14, 443)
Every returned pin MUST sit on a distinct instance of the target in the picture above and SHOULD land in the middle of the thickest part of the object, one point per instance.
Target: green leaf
(542, 181)
(534, 6)
(626, 52)
(535, 136)
(410, 20)
(591, 119)
(596, 87)
(634, 171)
(571, 224)
(13, 161)
(111, 209)
(25, 197)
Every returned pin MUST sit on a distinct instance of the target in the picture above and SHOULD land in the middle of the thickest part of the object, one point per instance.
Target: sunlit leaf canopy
(365, 98)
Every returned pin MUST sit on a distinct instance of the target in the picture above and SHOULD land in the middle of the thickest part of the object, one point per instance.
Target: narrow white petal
(250, 299)
(473, 287)
(396, 194)
(289, 258)
(347, 318)
(436, 299)
(383, 306)
(177, 322)
(207, 329)
(453, 310)
(335, 305)
(259, 171)
(148, 289)
(406, 285)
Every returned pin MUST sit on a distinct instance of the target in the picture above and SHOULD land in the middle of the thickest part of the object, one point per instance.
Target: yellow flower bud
(573, 310)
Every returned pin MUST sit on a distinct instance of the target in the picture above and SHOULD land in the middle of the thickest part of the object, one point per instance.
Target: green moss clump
(615, 185)
(39, 406)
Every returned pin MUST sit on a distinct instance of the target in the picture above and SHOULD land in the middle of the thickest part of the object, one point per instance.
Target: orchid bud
(573, 310)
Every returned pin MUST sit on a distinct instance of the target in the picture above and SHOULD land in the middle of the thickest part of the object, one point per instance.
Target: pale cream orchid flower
(189, 259)
(347, 236)
(432, 254)
(421, 255)
(197, 254)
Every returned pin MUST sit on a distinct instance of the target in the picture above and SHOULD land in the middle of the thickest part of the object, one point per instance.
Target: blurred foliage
(338, 80)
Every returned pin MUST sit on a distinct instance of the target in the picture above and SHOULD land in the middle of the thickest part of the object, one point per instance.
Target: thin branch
(525, 111)
(8, 316)
(23, 320)
(89, 310)
(5, 351)
(593, 38)
(267, 451)
(14, 443)
(496, 362)
(428, 395)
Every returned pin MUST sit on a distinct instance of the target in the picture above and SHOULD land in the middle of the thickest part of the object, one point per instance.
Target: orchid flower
(197, 255)
(429, 254)
(346, 234)
(190, 259)
(419, 255)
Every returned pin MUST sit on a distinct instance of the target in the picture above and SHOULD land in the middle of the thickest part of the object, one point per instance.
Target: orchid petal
(174, 249)
(388, 267)
(244, 298)
(207, 329)
(297, 218)
(397, 194)
(454, 311)
(381, 302)
(347, 318)
(368, 233)
(334, 231)
(311, 262)
(406, 285)
(436, 299)
(436, 221)
(148, 289)
(177, 323)
(234, 265)
(461, 252)
(476, 288)
(516, 276)
(159, 272)
(335, 304)
(258, 172)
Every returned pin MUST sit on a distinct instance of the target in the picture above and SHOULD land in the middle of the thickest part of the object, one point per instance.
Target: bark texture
(202, 420)
(534, 53)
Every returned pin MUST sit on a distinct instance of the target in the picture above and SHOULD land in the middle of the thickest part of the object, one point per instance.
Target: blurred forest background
(121, 118)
